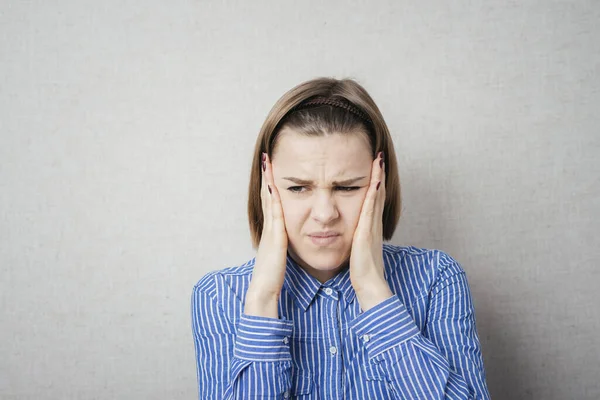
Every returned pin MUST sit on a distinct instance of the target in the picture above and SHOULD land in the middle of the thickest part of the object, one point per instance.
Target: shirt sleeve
(443, 362)
(238, 361)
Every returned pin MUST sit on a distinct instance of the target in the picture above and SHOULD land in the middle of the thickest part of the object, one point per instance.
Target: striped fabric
(421, 343)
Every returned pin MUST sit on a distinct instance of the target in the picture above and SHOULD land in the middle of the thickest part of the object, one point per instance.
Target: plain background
(126, 135)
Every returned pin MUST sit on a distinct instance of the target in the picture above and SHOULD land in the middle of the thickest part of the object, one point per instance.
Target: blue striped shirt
(421, 343)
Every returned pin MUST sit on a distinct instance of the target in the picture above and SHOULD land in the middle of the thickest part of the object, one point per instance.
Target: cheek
(292, 214)
(297, 211)
(352, 210)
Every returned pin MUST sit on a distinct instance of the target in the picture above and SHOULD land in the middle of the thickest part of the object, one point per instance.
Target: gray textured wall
(126, 131)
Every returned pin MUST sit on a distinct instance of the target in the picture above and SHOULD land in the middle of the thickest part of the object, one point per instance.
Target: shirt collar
(342, 283)
(303, 287)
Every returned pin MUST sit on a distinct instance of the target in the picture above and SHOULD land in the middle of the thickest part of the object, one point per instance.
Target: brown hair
(343, 107)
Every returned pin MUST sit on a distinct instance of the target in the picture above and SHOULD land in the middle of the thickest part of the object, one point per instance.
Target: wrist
(261, 303)
(372, 294)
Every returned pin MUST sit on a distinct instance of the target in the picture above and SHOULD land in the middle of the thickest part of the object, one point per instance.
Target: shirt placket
(335, 362)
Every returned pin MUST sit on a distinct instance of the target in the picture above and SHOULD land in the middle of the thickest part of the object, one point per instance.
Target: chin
(324, 262)
(321, 258)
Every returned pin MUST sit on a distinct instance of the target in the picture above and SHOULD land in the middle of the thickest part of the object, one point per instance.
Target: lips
(324, 240)
(324, 235)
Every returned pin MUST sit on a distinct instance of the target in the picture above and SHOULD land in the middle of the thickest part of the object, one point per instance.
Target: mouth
(323, 240)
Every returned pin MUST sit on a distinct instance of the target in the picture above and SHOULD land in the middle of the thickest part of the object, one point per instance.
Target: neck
(321, 276)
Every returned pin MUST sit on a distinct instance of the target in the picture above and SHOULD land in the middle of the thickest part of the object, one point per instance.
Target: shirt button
(285, 340)
(328, 291)
(366, 338)
(286, 395)
(333, 349)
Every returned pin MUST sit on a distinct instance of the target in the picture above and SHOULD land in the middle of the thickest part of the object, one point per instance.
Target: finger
(380, 203)
(368, 209)
(275, 200)
(264, 193)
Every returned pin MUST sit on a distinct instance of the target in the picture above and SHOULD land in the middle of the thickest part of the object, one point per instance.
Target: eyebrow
(336, 183)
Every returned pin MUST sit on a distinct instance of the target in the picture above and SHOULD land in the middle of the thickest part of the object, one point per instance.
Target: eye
(298, 189)
(294, 189)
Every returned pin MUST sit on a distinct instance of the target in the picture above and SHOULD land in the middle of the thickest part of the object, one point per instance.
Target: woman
(326, 310)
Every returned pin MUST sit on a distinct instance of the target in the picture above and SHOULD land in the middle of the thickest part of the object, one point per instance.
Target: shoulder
(431, 265)
(234, 279)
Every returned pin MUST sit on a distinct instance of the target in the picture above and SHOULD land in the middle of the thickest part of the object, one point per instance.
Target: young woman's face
(309, 173)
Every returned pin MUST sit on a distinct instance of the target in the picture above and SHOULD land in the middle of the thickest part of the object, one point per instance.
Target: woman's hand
(263, 293)
(366, 258)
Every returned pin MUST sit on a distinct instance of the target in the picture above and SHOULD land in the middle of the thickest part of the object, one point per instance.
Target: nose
(324, 209)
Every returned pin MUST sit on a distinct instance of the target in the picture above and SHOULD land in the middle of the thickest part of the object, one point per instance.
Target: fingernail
(378, 183)
(264, 166)
(381, 163)
(268, 186)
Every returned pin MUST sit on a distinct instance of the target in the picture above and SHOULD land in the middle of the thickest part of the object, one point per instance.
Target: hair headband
(340, 103)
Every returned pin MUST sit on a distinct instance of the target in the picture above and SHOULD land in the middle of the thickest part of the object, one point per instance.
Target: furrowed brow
(335, 183)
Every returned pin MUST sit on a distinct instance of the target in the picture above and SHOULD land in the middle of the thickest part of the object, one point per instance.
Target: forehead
(331, 153)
